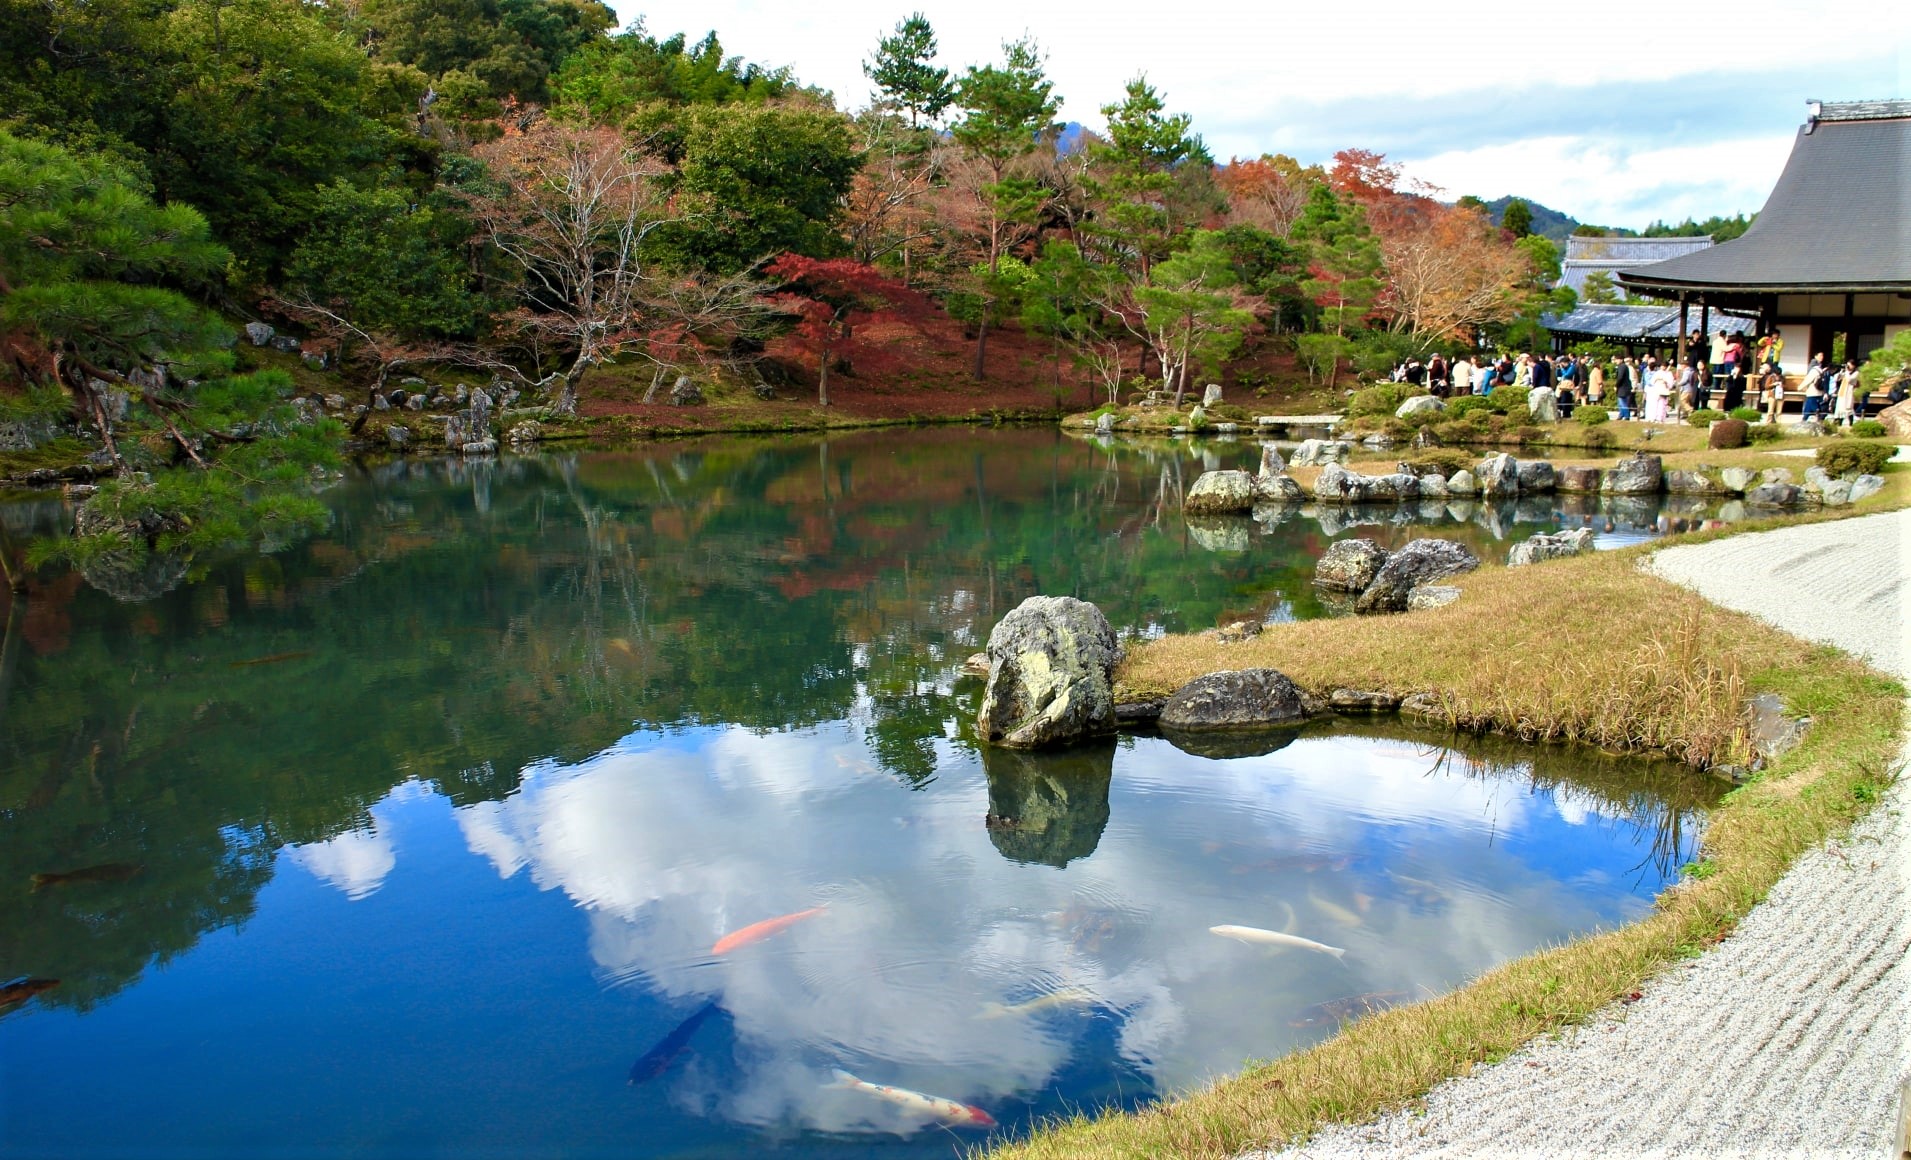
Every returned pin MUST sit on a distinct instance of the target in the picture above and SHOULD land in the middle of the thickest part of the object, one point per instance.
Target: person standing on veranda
(1774, 395)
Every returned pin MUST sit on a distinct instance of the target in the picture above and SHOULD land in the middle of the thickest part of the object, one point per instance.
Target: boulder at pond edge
(1239, 699)
(1051, 675)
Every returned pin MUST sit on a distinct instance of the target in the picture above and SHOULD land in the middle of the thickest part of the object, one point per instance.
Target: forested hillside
(513, 188)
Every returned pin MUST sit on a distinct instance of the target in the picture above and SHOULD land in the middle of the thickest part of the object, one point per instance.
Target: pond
(626, 803)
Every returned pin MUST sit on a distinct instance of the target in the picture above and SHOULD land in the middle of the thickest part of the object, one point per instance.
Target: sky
(1617, 113)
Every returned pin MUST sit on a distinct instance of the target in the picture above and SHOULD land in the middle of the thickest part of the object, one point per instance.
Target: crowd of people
(1722, 376)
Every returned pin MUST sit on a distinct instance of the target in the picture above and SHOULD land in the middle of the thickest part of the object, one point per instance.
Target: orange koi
(757, 931)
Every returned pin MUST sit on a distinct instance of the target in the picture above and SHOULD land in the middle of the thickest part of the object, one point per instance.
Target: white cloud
(1607, 182)
(1247, 71)
(358, 861)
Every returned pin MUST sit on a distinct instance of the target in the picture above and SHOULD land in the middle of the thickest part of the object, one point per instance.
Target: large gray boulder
(1433, 486)
(1051, 675)
(1316, 452)
(1499, 475)
(1463, 482)
(1536, 476)
(259, 333)
(1350, 565)
(1578, 479)
(1866, 486)
(1271, 462)
(1234, 700)
(1550, 547)
(1211, 395)
(1776, 495)
(1420, 562)
(1219, 492)
(1281, 488)
(1542, 403)
(1681, 482)
(1737, 479)
(1634, 475)
(1419, 405)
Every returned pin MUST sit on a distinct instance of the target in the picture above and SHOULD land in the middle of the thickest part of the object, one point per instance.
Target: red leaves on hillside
(825, 295)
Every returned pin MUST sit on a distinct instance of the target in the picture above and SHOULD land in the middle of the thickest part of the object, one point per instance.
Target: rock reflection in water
(1048, 807)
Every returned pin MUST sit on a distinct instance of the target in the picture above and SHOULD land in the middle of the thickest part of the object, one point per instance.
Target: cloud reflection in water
(1425, 876)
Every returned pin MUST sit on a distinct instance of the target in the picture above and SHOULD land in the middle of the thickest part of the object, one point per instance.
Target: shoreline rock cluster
(1501, 476)
(1402, 581)
(1050, 669)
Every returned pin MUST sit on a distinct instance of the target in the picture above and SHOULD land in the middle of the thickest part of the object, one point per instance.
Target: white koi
(1335, 911)
(1065, 997)
(1275, 938)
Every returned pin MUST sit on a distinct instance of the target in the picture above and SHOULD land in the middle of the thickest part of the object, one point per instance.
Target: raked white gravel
(1790, 1038)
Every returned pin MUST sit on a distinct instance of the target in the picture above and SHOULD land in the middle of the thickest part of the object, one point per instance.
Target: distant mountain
(1548, 223)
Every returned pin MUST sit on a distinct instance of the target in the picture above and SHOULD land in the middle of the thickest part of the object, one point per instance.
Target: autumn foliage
(827, 297)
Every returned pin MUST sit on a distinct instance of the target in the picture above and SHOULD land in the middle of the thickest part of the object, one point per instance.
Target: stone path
(1790, 1038)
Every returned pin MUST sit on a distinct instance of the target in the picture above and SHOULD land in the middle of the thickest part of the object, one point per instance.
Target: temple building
(1586, 257)
(1830, 254)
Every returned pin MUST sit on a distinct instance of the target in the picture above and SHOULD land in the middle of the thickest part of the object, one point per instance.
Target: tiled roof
(1862, 110)
(1641, 322)
(1839, 218)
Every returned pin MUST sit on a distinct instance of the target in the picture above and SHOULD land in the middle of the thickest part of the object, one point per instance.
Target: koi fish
(757, 931)
(1334, 910)
(658, 1059)
(1065, 997)
(1337, 1011)
(934, 1107)
(1254, 934)
(1419, 889)
(24, 989)
(105, 872)
(272, 659)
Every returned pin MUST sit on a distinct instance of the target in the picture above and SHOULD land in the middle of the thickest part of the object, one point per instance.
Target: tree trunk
(822, 375)
(981, 350)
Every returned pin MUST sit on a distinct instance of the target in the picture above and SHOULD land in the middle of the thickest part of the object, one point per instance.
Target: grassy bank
(1590, 649)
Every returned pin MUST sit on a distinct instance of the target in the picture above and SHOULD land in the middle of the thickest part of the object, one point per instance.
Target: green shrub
(1600, 438)
(1529, 434)
(1763, 433)
(1854, 457)
(1727, 434)
(1867, 429)
(1745, 414)
(1509, 399)
(1468, 405)
(1382, 399)
(1591, 416)
(1704, 417)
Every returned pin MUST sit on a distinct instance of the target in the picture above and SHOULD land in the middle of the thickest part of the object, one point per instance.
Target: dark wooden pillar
(1705, 332)
(1683, 307)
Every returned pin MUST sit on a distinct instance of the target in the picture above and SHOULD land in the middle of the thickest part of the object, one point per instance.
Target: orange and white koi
(757, 931)
(933, 1107)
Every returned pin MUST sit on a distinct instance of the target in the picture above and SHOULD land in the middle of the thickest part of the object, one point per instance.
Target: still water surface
(422, 838)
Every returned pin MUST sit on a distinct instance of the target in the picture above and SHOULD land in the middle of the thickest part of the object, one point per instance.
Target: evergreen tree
(90, 271)
(905, 73)
(1152, 178)
(1006, 111)
(1517, 218)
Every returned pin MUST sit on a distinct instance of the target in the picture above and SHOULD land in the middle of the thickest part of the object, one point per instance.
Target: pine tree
(905, 73)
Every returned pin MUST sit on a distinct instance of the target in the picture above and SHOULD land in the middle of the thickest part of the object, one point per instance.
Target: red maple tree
(825, 295)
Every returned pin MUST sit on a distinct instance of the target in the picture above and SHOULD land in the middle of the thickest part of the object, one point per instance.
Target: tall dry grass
(1589, 649)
